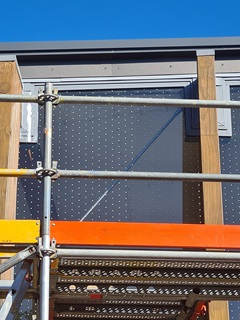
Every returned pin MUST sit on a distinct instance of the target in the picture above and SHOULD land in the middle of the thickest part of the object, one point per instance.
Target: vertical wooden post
(10, 82)
(210, 158)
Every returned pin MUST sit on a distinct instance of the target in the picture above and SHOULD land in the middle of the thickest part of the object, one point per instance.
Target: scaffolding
(90, 270)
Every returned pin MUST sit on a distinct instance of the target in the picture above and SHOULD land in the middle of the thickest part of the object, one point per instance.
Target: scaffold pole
(45, 230)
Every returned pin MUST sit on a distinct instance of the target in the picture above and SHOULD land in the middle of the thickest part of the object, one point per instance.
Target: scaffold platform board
(138, 289)
(99, 272)
(105, 278)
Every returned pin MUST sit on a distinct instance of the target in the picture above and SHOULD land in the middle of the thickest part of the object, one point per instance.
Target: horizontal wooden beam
(156, 235)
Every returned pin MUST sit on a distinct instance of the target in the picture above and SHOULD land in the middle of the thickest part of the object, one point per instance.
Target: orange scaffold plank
(159, 235)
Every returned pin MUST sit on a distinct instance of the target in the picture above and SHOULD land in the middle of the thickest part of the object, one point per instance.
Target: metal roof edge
(98, 45)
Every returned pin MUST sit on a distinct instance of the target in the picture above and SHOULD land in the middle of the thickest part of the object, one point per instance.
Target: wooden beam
(10, 113)
(212, 192)
(210, 157)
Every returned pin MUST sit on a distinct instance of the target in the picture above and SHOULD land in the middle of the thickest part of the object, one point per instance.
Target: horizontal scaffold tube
(18, 98)
(184, 103)
(18, 173)
(148, 175)
(91, 174)
(147, 254)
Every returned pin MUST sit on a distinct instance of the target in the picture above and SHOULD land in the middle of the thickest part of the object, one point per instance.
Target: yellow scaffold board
(19, 231)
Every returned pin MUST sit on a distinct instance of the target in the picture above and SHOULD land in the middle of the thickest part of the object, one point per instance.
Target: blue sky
(57, 20)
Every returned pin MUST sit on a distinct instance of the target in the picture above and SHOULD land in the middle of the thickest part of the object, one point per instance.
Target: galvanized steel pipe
(45, 221)
(21, 173)
(148, 175)
(183, 103)
(124, 175)
(148, 254)
(18, 98)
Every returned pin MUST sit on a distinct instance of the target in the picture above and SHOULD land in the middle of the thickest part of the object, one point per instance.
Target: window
(224, 115)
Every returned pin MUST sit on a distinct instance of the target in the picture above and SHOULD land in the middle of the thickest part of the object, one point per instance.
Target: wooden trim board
(210, 160)
(10, 115)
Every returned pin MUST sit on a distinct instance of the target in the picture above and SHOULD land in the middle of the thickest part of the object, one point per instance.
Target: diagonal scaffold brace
(27, 253)
(17, 292)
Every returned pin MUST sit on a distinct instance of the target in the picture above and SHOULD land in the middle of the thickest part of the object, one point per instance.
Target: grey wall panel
(227, 66)
(67, 70)
(107, 69)
(154, 68)
(122, 69)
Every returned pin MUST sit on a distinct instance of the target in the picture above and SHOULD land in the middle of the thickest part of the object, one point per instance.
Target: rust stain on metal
(48, 132)
(30, 155)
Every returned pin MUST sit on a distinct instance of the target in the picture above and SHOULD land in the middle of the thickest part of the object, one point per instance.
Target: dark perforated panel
(230, 155)
(109, 138)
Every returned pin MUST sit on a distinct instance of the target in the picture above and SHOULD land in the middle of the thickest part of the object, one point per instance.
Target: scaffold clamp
(52, 172)
(42, 98)
(51, 251)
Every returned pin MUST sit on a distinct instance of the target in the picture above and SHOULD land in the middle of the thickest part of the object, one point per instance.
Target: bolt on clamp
(42, 98)
(51, 251)
(52, 172)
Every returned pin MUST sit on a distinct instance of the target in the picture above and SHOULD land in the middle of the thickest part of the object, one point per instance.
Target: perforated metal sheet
(192, 191)
(108, 138)
(121, 312)
(148, 272)
(67, 262)
(230, 155)
(129, 289)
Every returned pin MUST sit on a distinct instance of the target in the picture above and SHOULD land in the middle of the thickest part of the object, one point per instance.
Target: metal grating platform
(137, 289)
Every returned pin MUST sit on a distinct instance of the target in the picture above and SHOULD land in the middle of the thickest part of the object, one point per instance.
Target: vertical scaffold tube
(45, 231)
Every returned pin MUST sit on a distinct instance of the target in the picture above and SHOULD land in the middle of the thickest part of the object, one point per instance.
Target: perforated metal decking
(119, 282)
(134, 283)
(118, 289)
(138, 289)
